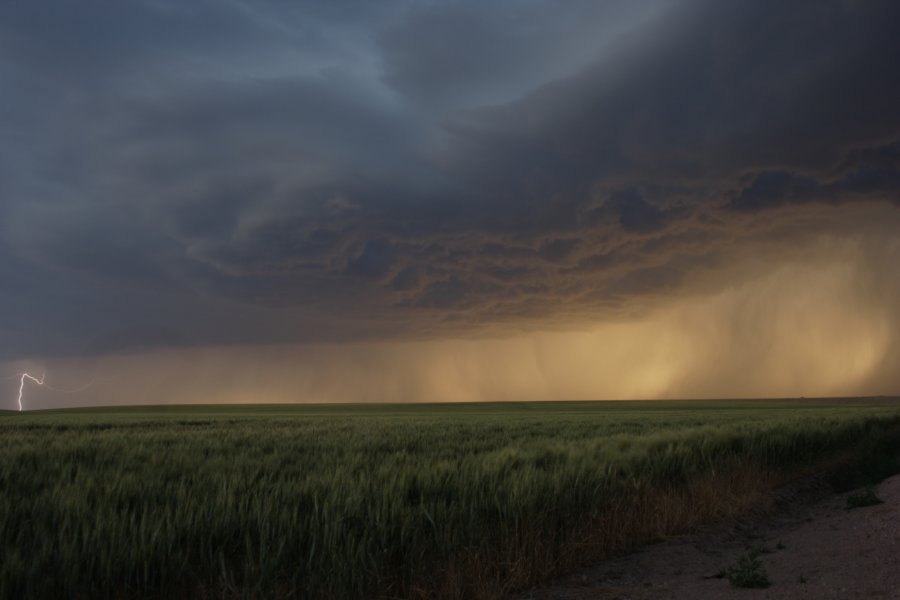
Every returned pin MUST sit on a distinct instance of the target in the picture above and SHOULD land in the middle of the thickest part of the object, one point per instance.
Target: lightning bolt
(41, 381)
(22, 385)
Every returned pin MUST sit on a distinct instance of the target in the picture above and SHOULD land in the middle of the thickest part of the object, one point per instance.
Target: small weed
(748, 573)
(864, 497)
(780, 545)
(802, 579)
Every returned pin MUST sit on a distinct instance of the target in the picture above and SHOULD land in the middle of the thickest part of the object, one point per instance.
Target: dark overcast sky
(193, 173)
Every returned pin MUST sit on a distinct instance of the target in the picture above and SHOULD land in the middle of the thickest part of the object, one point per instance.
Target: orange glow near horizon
(814, 328)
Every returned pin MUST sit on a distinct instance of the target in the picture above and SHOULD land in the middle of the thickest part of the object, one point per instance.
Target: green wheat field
(377, 501)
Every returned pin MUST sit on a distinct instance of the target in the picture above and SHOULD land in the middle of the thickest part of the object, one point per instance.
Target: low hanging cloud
(821, 323)
(276, 180)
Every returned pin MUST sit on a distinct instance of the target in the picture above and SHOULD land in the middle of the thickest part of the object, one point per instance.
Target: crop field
(420, 501)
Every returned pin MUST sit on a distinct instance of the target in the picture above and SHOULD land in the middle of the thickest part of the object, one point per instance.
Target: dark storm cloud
(457, 54)
(733, 88)
(266, 171)
(868, 174)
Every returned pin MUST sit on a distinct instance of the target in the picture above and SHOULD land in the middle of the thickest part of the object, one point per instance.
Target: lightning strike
(22, 384)
(42, 381)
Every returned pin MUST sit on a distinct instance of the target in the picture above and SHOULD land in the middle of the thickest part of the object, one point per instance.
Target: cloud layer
(203, 174)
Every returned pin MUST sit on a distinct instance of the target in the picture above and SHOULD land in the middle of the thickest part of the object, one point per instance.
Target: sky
(448, 200)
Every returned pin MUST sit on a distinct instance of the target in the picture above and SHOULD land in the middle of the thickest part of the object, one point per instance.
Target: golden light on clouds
(821, 324)
(539, 214)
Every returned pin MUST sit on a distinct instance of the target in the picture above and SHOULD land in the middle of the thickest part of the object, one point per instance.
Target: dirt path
(815, 551)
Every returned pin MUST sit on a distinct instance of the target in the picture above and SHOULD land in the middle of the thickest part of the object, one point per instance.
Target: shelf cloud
(453, 201)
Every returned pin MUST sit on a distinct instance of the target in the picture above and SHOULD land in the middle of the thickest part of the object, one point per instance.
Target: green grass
(748, 573)
(374, 501)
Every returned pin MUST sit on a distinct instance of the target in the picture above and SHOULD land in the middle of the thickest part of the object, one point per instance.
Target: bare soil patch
(808, 548)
